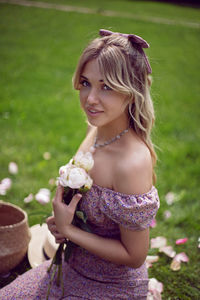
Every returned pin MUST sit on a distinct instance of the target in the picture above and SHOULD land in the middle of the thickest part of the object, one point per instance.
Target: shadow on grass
(12, 275)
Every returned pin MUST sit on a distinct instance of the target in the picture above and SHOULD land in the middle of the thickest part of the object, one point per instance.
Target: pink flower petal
(158, 242)
(176, 262)
(151, 259)
(47, 155)
(169, 197)
(167, 214)
(155, 295)
(43, 196)
(29, 198)
(168, 250)
(13, 168)
(5, 185)
(52, 181)
(153, 223)
(150, 296)
(181, 257)
(155, 285)
(181, 241)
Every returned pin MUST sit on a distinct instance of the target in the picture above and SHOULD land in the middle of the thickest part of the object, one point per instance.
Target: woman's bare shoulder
(133, 170)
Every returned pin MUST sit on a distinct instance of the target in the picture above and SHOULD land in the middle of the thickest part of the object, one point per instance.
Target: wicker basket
(14, 236)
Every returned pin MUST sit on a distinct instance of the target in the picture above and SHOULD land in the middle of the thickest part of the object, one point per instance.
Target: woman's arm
(131, 250)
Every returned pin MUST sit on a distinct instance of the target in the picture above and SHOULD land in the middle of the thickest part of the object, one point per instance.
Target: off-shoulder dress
(87, 276)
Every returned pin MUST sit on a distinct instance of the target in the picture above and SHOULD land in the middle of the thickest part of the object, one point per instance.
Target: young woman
(113, 80)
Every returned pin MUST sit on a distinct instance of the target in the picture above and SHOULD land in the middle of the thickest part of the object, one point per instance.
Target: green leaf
(81, 215)
(84, 226)
(83, 190)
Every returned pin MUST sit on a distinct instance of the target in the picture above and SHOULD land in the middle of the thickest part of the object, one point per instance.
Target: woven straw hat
(14, 236)
(42, 245)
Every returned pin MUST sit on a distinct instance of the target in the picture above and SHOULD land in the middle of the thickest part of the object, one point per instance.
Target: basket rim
(25, 219)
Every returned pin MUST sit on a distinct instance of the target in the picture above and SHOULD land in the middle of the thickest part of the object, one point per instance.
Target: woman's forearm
(106, 248)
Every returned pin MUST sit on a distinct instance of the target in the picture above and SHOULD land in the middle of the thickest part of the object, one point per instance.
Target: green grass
(40, 111)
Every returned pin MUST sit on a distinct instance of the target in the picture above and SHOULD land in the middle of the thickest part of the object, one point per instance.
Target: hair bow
(134, 39)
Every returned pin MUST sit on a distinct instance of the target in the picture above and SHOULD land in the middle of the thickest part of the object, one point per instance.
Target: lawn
(40, 111)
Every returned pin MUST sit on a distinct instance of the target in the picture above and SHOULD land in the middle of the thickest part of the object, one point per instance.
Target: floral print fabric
(87, 276)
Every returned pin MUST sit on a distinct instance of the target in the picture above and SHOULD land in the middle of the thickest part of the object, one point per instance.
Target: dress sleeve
(134, 212)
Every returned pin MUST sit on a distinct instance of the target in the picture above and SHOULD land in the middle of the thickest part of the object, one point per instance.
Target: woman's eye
(107, 88)
(84, 83)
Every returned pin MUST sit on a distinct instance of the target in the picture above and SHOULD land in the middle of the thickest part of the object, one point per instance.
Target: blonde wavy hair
(123, 69)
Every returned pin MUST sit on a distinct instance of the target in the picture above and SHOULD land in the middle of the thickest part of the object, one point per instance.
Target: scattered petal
(181, 257)
(151, 259)
(155, 295)
(169, 197)
(199, 242)
(155, 288)
(167, 214)
(47, 155)
(181, 241)
(52, 181)
(5, 185)
(29, 198)
(175, 265)
(150, 296)
(43, 196)
(176, 262)
(158, 242)
(13, 168)
(168, 250)
(153, 223)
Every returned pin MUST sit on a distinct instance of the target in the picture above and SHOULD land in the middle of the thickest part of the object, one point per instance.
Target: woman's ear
(149, 80)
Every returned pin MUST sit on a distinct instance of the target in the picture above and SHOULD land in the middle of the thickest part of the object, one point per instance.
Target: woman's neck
(105, 133)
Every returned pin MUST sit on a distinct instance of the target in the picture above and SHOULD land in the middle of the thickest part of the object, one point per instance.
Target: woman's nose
(93, 96)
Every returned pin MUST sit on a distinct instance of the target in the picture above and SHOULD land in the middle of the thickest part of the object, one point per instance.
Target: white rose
(88, 183)
(84, 160)
(64, 173)
(77, 178)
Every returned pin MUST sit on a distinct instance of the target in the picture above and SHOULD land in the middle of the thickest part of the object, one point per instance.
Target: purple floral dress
(87, 276)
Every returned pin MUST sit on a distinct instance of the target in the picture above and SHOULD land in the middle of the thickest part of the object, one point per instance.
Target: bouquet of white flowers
(74, 178)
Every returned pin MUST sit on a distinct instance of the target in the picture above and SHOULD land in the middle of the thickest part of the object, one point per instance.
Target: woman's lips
(93, 112)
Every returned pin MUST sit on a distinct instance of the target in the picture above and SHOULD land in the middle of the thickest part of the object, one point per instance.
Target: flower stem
(50, 282)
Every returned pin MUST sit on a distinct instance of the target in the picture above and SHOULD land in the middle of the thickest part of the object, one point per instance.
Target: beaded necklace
(117, 137)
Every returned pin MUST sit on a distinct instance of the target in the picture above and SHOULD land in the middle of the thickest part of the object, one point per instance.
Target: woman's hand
(59, 238)
(64, 214)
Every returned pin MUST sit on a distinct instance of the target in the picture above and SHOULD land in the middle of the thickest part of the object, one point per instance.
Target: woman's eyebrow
(84, 77)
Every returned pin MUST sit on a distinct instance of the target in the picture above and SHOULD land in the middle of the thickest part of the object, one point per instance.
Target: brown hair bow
(134, 39)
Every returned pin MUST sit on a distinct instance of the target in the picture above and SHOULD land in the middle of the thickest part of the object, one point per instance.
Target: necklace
(117, 137)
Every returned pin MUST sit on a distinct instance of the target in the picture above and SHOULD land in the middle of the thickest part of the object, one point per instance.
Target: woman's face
(101, 104)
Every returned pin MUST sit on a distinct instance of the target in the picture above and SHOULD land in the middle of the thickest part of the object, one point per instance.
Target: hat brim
(35, 247)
